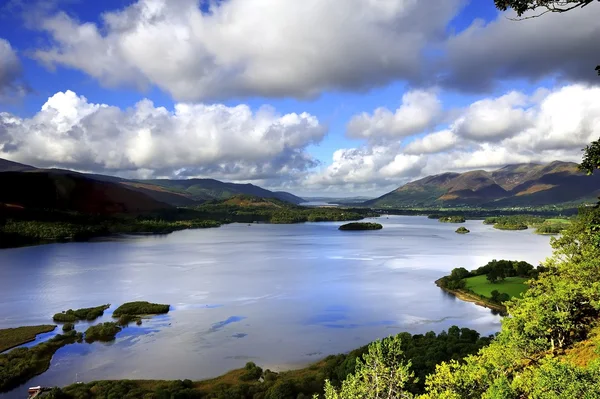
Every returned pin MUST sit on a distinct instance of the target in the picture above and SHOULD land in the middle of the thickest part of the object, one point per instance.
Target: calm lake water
(279, 295)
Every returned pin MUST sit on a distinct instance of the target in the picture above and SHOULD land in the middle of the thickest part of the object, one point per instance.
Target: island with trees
(542, 225)
(103, 332)
(141, 308)
(491, 285)
(462, 230)
(89, 314)
(360, 226)
(452, 219)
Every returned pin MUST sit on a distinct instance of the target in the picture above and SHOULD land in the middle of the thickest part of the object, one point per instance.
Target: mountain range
(66, 190)
(518, 185)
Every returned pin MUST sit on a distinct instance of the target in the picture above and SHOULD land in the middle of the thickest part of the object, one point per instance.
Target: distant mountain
(10, 166)
(209, 189)
(338, 200)
(514, 185)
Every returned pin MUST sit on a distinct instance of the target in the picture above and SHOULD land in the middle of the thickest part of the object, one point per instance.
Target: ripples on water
(279, 295)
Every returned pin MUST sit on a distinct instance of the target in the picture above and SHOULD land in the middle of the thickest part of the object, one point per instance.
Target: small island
(360, 226)
(141, 308)
(89, 314)
(104, 332)
(462, 230)
(452, 219)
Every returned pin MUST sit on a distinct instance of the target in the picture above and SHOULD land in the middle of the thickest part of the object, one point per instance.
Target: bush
(251, 372)
(68, 327)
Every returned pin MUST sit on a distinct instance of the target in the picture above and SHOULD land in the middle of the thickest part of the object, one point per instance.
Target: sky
(316, 97)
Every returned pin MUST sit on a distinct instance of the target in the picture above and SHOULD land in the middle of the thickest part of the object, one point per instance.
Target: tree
(522, 6)
(459, 273)
(492, 275)
(382, 374)
(591, 155)
(560, 6)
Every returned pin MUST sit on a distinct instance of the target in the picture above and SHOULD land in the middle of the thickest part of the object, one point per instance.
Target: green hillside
(209, 189)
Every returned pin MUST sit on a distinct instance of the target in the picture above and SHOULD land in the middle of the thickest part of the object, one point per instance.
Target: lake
(282, 296)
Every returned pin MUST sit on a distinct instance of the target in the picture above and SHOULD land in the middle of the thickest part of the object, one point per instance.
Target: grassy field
(512, 286)
(11, 337)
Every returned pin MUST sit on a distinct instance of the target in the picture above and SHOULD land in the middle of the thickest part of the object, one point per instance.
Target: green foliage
(383, 372)
(68, 327)
(89, 314)
(278, 212)
(11, 337)
(491, 220)
(550, 228)
(462, 230)
(127, 389)
(125, 319)
(140, 308)
(21, 364)
(515, 222)
(452, 219)
(554, 314)
(591, 157)
(103, 332)
(506, 278)
(16, 232)
(425, 350)
(361, 226)
(251, 372)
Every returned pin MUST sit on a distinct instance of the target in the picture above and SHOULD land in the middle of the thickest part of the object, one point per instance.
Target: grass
(12, 337)
(513, 286)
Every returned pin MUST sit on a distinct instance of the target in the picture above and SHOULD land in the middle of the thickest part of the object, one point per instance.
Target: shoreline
(469, 297)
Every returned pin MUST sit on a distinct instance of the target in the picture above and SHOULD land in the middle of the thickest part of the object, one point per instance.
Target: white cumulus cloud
(419, 111)
(144, 140)
(250, 47)
(432, 143)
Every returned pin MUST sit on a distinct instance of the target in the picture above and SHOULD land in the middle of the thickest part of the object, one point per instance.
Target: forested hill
(91, 193)
(209, 189)
(514, 185)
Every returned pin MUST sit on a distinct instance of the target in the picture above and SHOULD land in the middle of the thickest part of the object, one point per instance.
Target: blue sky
(447, 67)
